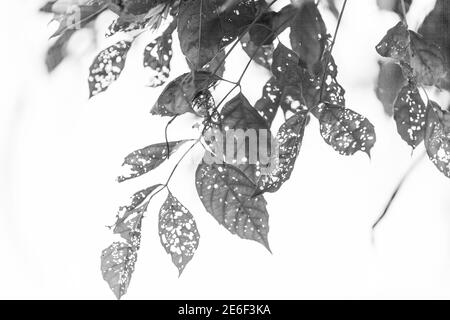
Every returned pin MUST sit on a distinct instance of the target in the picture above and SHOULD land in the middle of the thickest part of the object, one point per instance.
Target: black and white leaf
(227, 194)
(437, 137)
(107, 67)
(144, 160)
(395, 44)
(117, 266)
(178, 232)
(238, 113)
(345, 130)
(409, 114)
(179, 94)
(157, 57)
(130, 216)
(268, 104)
(289, 139)
(308, 35)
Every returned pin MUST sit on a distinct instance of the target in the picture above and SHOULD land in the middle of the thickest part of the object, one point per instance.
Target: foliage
(303, 82)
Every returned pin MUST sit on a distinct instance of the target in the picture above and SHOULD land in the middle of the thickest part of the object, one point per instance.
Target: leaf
(239, 114)
(292, 99)
(129, 218)
(437, 137)
(144, 160)
(289, 137)
(285, 66)
(308, 35)
(73, 15)
(203, 103)
(268, 104)
(117, 266)
(345, 130)
(58, 51)
(217, 64)
(226, 192)
(157, 57)
(390, 82)
(409, 114)
(262, 55)
(178, 95)
(199, 31)
(427, 61)
(178, 232)
(107, 67)
(395, 44)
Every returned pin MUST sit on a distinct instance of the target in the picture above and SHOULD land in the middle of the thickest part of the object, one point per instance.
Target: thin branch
(397, 189)
(166, 134)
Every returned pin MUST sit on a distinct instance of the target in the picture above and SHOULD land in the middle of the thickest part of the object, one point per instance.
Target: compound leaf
(227, 194)
(178, 232)
(345, 130)
(107, 67)
(144, 160)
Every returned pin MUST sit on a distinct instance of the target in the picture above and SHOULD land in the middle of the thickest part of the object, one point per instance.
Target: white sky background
(60, 154)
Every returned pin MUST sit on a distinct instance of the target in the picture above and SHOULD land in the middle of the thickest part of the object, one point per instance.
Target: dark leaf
(262, 55)
(268, 104)
(427, 61)
(117, 265)
(239, 114)
(308, 35)
(150, 19)
(178, 232)
(144, 160)
(217, 64)
(437, 137)
(409, 114)
(292, 99)
(345, 130)
(395, 44)
(107, 67)
(226, 192)
(199, 31)
(203, 103)
(178, 95)
(390, 82)
(285, 66)
(157, 57)
(289, 138)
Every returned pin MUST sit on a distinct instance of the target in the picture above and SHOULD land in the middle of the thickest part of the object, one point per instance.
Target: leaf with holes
(395, 44)
(144, 160)
(268, 104)
(157, 57)
(262, 55)
(437, 137)
(427, 61)
(289, 138)
(409, 114)
(285, 66)
(130, 216)
(345, 130)
(178, 232)
(178, 95)
(308, 35)
(227, 194)
(107, 67)
(117, 266)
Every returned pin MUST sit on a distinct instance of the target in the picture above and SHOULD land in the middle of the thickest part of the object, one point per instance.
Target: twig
(397, 189)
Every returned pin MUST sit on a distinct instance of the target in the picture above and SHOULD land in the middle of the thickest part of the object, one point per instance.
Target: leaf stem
(397, 189)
